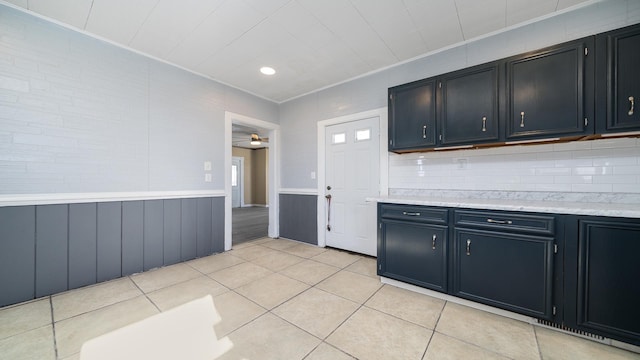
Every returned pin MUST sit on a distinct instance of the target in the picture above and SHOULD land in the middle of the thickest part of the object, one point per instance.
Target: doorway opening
(249, 188)
(251, 206)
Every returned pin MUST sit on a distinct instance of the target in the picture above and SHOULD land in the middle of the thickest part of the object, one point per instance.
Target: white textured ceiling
(311, 43)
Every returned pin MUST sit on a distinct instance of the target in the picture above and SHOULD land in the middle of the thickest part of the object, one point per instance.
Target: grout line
(53, 327)
(535, 338)
(145, 294)
(424, 354)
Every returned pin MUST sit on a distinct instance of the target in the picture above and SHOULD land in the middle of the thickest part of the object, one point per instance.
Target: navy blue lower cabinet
(603, 291)
(503, 259)
(505, 270)
(412, 245)
(415, 253)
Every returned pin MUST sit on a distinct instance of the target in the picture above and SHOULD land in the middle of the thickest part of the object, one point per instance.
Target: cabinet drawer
(414, 213)
(505, 221)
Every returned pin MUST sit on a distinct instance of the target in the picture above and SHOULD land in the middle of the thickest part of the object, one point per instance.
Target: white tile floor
(281, 299)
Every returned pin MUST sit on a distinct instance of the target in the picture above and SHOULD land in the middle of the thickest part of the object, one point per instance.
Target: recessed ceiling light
(267, 70)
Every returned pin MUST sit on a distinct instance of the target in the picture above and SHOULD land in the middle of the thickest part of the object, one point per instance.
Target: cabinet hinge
(553, 310)
(586, 51)
(555, 248)
(586, 122)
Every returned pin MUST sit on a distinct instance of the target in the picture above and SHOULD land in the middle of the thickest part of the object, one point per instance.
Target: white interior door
(352, 174)
(236, 182)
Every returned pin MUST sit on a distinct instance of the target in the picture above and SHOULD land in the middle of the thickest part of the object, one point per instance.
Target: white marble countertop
(540, 206)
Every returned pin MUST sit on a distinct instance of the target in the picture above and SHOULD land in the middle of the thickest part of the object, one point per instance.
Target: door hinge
(380, 226)
(390, 96)
(555, 248)
(553, 310)
(440, 137)
(379, 266)
(440, 84)
(586, 122)
(390, 142)
(586, 51)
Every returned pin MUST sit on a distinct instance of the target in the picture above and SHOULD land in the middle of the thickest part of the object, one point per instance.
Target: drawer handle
(484, 123)
(410, 213)
(522, 119)
(633, 104)
(433, 242)
(424, 131)
(507, 222)
(468, 247)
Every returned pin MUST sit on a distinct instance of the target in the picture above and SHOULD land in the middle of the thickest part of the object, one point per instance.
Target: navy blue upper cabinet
(412, 116)
(618, 80)
(550, 92)
(468, 106)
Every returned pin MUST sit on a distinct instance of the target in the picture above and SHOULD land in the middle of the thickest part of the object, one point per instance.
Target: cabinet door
(414, 253)
(469, 106)
(412, 115)
(509, 271)
(546, 93)
(619, 51)
(608, 287)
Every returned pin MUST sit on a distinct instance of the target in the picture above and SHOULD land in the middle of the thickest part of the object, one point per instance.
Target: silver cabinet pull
(410, 213)
(433, 242)
(484, 123)
(468, 247)
(508, 222)
(424, 131)
(633, 105)
(522, 119)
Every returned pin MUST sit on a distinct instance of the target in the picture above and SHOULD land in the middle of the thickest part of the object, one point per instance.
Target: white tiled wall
(609, 165)
(78, 115)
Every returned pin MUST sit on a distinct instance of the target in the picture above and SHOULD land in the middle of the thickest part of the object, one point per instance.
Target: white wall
(298, 117)
(79, 115)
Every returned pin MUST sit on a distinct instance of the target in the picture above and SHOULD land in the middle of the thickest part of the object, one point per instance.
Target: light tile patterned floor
(281, 299)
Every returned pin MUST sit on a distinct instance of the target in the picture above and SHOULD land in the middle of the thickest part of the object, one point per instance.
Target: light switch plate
(207, 166)
(207, 177)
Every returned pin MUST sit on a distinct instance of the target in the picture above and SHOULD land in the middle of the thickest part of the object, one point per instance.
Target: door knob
(328, 187)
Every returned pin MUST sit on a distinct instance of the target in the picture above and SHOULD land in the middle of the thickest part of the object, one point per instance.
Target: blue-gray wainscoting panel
(172, 220)
(17, 254)
(52, 249)
(188, 228)
(203, 231)
(82, 245)
(46, 249)
(153, 233)
(109, 250)
(298, 217)
(132, 237)
(217, 225)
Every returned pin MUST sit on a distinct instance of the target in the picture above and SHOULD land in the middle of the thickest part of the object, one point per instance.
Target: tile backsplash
(595, 166)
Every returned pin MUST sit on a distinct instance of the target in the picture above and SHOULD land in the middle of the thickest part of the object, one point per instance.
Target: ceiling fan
(257, 140)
